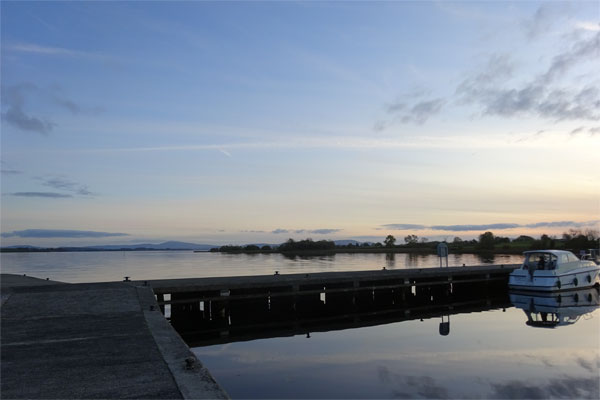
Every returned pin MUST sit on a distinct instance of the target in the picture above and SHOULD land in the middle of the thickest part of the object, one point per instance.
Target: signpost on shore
(442, 252)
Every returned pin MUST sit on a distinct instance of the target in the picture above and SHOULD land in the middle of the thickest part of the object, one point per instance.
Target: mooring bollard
(126, 279)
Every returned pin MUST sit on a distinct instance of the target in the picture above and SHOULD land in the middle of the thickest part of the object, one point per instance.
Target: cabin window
(541, 261)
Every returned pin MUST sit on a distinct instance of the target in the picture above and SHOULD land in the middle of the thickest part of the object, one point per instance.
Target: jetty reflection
(554, 309)
(209, 322)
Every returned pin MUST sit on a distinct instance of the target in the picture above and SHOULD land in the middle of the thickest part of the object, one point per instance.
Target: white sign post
(442, 252)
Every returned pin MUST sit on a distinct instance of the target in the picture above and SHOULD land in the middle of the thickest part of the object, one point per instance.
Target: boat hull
(547, 281)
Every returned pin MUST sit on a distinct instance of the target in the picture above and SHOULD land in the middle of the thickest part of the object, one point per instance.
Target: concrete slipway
(93, 340)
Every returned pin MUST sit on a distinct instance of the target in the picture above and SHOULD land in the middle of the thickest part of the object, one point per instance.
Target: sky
(245, 122)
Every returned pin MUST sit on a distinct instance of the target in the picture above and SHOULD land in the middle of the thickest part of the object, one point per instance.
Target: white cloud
(588, 26)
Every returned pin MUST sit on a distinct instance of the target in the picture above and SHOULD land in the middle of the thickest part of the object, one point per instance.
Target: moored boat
(553, 270)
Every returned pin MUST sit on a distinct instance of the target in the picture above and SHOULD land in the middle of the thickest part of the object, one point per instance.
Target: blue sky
(258, 121)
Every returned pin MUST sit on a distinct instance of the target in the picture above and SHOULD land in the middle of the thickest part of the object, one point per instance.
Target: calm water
(489, 354)
(114, 265)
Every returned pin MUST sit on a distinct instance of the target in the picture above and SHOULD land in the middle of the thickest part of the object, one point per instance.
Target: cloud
(594, 130)
(576, 131)
(59, 233)
(416, 113)
(588, 26)
(496, 226)
(42, 50)
(228, 154)
(14, 99)
(323, 231)
(464, 228)
(51, 195)
(540, 96)
(37, 49)
(582, 50)
(563, 388)
(587, 365)
(541, 21)
(555, 224)
(10, 171)
(403, 226)
(61, 183)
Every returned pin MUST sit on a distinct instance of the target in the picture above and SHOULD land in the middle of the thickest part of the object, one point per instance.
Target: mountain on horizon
(170, 245)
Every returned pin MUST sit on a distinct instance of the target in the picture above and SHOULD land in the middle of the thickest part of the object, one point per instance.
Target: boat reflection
(553, 309)
(208, 323)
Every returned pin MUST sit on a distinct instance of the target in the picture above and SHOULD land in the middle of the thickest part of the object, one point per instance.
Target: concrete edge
(192, 378)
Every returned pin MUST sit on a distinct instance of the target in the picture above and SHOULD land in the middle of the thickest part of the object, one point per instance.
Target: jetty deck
(278, 284)
(93, 340)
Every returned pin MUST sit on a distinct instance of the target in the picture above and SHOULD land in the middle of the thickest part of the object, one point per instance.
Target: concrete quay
(93, 340)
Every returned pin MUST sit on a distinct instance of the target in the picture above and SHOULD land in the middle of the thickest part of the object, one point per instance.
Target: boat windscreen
(540, 261)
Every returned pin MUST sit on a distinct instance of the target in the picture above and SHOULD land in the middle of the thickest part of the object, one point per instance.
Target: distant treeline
(574, 240)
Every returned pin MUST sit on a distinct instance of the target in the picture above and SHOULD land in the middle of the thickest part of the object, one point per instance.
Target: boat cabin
(550, 260)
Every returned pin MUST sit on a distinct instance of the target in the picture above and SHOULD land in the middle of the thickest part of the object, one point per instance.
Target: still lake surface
(487, 354)
(104, 266)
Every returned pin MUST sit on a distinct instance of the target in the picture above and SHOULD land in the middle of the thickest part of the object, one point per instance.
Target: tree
(411, 239)
(457, 240)
(486, 241)
(389, 241)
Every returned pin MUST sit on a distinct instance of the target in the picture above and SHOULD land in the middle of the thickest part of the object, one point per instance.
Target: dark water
(114, 265)
(486, 354)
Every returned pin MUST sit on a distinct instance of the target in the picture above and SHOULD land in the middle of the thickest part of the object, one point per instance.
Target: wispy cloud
(14, 99)
(47, 195)
(495, 226)
(566, 388)
(541, 21)
(228, 154)
(540, 96)
(410, 108)
(552, 94)
(8, 169)
(59, 233)
(588, 26)
(44, 50)
(466, 228)
(60, 182)
(322, 231)
(403, 226)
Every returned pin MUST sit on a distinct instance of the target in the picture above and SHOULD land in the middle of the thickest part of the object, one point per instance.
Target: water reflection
(554, 309)
(207, 319)
(390, 260)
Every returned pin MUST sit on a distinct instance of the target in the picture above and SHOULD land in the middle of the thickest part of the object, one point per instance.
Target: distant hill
(171, 245)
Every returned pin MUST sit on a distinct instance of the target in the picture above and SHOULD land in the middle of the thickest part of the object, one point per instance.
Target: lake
(105, 266)
(496, 344)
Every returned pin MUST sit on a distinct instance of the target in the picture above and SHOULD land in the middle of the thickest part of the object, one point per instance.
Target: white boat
(553, 270)
(554, 309)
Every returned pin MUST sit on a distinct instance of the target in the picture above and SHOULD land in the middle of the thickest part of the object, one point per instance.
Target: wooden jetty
(180, 291)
